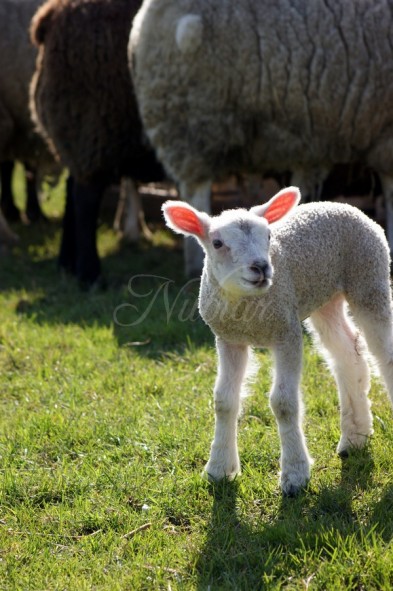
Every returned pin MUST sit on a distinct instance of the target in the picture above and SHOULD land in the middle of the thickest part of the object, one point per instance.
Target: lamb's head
(236, 242)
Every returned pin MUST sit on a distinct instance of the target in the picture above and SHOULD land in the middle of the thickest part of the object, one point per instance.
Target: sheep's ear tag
(186, 220)
(281, 205)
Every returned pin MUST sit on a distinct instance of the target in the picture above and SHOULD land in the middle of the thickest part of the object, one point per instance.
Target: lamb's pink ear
(184, 219)
(279, 206)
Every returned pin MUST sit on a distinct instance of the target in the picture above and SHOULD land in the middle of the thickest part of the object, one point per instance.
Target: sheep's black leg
(67, 255)
(11, 212)
(33, 208)
(87, 200)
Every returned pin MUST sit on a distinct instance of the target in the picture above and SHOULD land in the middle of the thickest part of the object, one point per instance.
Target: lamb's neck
(209, 280)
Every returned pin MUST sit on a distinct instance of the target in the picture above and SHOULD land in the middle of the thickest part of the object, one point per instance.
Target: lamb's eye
(217, 243)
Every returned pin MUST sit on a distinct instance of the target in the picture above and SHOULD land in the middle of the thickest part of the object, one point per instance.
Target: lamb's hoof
(352, 442)
(215, 474)
(295, 480)
(343, 453)
(216, 480)
(292, 491)
(210, 478)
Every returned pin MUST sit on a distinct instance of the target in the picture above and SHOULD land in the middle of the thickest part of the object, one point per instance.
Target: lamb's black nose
(260, 268)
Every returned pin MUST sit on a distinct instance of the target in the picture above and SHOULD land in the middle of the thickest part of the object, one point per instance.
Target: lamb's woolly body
(256, 290)
(313, 259)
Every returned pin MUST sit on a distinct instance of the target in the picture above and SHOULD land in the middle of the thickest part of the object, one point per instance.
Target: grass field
(106, 423)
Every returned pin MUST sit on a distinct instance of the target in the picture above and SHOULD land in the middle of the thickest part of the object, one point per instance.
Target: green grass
(106, 426)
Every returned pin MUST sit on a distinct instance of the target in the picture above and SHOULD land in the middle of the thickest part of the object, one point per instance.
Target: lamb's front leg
(285, 401)
(224, 457)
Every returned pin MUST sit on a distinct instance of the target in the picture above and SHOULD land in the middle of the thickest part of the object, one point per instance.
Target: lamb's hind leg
(346, 349)
(376, 323)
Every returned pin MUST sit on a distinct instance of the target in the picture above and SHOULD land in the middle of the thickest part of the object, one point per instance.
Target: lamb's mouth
(264, 283)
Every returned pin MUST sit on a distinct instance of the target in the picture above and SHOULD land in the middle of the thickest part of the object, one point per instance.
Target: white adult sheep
(265, 272)
(249, 86)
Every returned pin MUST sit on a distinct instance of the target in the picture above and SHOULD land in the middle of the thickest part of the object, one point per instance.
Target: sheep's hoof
(97, 286)
(33, 216)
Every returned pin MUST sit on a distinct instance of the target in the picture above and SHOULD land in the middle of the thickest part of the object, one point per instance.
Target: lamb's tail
(41, 21)
(189, 32)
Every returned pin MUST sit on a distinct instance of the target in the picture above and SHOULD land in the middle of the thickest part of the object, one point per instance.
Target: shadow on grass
(261, 554)
(30, 262)
(160, 309)
(148, 303)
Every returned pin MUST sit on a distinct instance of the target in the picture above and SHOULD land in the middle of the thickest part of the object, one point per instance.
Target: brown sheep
(83, 103)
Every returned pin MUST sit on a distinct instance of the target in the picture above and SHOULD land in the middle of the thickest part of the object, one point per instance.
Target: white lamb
(268, 269)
